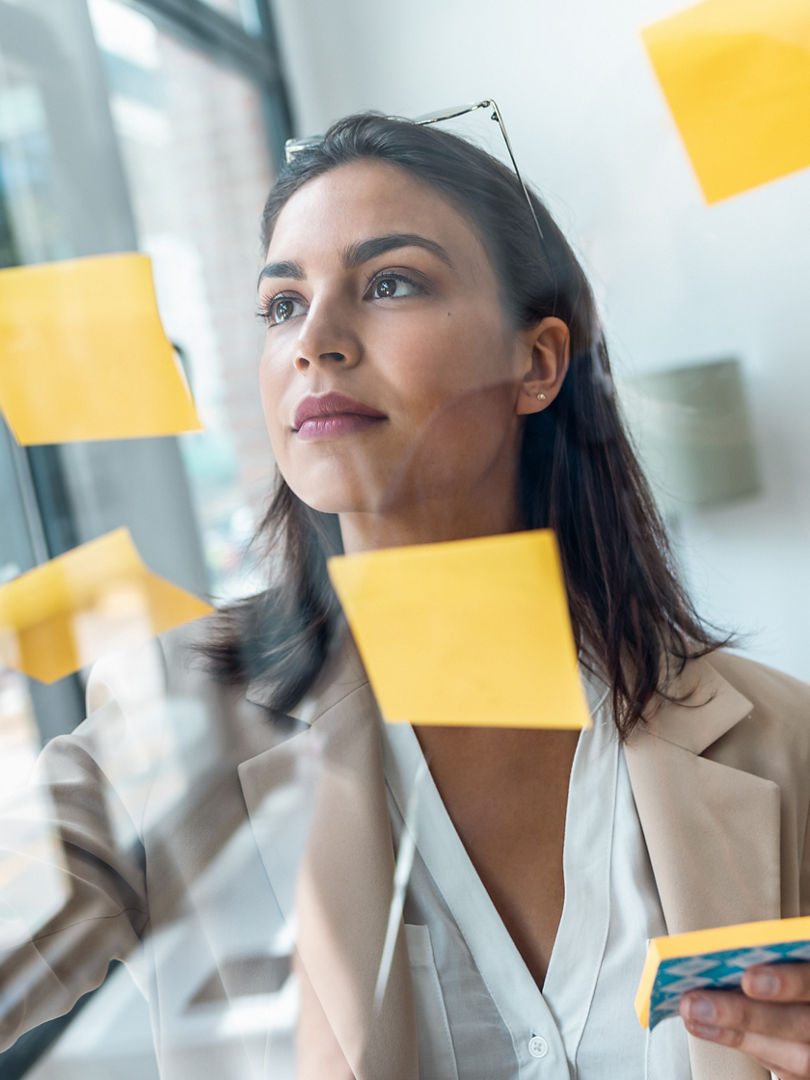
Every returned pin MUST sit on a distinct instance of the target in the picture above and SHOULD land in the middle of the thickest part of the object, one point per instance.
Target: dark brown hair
(632, 620)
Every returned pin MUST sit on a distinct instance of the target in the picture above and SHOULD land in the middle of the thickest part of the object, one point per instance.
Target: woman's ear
(548, 348)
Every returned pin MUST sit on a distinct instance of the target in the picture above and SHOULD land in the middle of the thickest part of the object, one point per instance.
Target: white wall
(677, 280)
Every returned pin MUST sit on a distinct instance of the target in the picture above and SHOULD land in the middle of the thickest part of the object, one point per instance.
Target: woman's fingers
(769, 1021)
(786, 982)
(737, 1015)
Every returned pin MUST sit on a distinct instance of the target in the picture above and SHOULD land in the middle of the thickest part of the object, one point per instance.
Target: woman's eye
(394, 285)
(281, 308)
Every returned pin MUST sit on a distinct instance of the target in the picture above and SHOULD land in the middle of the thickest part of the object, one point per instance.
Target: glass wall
(152, 128)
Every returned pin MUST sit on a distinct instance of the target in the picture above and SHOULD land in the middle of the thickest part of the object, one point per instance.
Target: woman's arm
(72, 894)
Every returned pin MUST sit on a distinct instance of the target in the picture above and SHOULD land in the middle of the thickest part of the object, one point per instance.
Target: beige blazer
(721, 787)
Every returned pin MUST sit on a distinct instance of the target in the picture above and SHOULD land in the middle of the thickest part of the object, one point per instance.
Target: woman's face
(378, 290)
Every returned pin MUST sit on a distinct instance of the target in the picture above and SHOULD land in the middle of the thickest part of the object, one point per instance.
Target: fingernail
(700, 1009)
(765, 984)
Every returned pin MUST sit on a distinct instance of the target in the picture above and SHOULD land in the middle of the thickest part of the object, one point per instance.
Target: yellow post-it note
(83, 354)
(736, 75)
(714, 959)
(98, 597)
(471, 632)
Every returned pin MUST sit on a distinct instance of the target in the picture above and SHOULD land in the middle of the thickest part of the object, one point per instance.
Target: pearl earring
(541, 397)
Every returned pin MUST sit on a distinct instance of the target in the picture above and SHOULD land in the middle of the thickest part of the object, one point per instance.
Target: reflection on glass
(33, 884)
(132, 837)
(194, 145)
(29, 178)
(242, 11)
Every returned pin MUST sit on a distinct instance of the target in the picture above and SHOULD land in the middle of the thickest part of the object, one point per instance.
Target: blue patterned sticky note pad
(723, 969)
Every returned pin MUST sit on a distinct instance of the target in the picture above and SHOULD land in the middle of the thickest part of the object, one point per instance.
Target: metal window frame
(255, 56)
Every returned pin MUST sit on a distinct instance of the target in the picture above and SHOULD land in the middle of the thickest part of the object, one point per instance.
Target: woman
(433, 370)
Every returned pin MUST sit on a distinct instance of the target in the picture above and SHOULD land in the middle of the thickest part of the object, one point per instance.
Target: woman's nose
(325, 340)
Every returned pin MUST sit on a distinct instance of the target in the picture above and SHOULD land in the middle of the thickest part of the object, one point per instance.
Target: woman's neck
(430, 522)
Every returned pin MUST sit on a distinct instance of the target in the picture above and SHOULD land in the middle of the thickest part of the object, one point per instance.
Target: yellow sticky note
(713, 959)
(736, 75)
(83, 354)
(98, 597)
(472, 632)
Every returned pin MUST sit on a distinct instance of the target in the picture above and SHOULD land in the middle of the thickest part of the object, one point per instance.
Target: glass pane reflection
(194, 145)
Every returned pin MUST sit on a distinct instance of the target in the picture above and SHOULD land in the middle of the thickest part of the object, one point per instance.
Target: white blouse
(479, 1012)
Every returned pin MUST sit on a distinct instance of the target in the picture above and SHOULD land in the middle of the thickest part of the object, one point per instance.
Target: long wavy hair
(633, 622)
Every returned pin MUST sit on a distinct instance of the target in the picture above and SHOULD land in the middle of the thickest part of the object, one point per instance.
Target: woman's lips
(328, 415)
(328, 427)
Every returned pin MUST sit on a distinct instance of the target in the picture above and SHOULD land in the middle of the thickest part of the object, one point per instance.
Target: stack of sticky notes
(713, 959)
(467, 632)
(100, 596)
(83, 353)
(736, 77)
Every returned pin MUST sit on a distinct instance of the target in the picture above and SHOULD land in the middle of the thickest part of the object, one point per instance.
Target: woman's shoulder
(738, 711)
(770, 691)
(772, 737)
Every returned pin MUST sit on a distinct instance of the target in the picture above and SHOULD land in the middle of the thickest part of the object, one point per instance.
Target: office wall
(677, 280)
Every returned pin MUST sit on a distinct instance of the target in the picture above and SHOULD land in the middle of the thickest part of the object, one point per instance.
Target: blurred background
(158, 125)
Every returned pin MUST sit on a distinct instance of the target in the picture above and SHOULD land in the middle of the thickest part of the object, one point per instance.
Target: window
(151, 125)
(192, 136)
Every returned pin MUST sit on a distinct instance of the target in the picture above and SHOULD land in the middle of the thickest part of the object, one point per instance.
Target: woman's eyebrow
(356, 254)
(284, 269)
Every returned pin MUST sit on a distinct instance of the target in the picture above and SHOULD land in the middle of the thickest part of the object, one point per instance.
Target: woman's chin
(335, 501)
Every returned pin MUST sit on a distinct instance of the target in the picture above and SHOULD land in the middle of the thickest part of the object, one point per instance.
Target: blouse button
(538, 1047)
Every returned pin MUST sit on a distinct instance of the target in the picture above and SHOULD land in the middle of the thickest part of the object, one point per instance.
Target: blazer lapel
(712, 831)
(330, 856)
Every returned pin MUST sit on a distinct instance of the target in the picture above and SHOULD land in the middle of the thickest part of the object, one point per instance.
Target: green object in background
(693, 430)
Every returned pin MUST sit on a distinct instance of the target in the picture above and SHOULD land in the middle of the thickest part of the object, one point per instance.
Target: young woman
(433, 369)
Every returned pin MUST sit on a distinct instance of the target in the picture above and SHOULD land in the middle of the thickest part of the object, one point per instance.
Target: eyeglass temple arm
(488, 103)
(496, 115)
